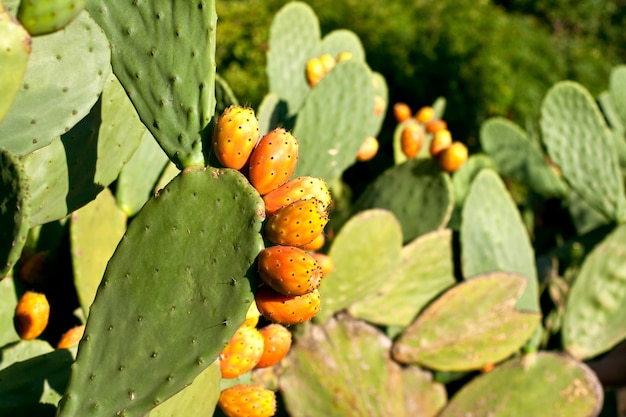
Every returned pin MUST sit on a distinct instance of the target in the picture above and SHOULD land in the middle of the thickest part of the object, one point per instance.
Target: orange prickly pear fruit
(252, 316)
(276, 344)
(289, 270)
(316, 244)
(301, 188)
(441, 141)
(247, 401)
(71, 337)
(242, 353)
(454, 157)
(368, 149)
(379, 105)
(298, 223)
(435, 126)
(411, 140)
(287, 309)
(314, 71)
(344, 56)
(328, 62)
(325, 262)
(235, 136)
(273, 160)
(31, 315)
(402, 112)
(425, 114)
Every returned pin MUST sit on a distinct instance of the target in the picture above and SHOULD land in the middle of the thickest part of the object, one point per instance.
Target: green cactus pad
(617, 91)
(461, 181)
(224, 95)
(341, 40)
(417, 192)
(198, 399)
(15, 210)
(494, 238)
(518, 158)
(580, 144)
(471, 325)
(595, 314)
(293, 39)
(56, 92)
(137, 179)
(544, 384)
(95, 231)
(584, 217)
(343, 369)
(15, 47)
(8, 301)
(269, 113)
(164, 56)
(23, 350)
(169, 173)
(334, 121)
(174, 292)
(33, 387)
(41, 17)
(380, 240)
(381, 90)
(424, 270)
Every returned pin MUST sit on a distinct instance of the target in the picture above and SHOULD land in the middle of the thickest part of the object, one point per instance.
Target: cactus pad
(8, 299)
(164, 56)
(56, 92)
(14, 210)
(294, 37)
(494, 238)
(518, 158)
(580, 144)
(95, 231)
(424, 270)
(471, 325)
(341, 40)
(343, 369)
(617, 91)
(41, 17)
(518, 388)
(178, 286)
(326, 129)
(380, 240)
(595, 314)
(417, 192)
(15, 49)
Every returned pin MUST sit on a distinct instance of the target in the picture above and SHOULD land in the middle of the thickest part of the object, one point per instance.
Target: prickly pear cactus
(55, 92)
(339, 385)
(195, 290)
(14, 210)
(518, 158)
(493, 236)
(463, 329)
(164, 56)
(43, 17)
(581, 145)
(417, 192)
(15, 48)
(517, 387)
(595, 315)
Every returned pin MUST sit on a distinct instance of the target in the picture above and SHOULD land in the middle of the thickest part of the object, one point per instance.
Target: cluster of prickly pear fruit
(450, 154)
(318, 67)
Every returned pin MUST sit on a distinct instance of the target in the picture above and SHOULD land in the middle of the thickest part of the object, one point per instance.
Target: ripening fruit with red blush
(276, 344)
(440, 142)
(71, 337)
(273, 160)
(368, 149)
(316, 244)
(298, 223)
(300, 188)
(247, 401)
(411, 140)
(31, 315)
(453, 158)
(435, 126)
(235, 136)
(287, 309)
(401, 112)
(289, 270)
(242, 353)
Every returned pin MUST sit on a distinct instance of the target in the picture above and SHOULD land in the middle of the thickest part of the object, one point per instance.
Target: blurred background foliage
(486, 57)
